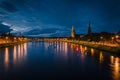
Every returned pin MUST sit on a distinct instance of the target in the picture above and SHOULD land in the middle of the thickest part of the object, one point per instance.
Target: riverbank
(10, 44)
(111, 49)
(99, 47)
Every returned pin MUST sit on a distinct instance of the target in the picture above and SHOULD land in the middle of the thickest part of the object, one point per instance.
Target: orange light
(6, 37)
(112, 38)
(101, 37)
(116, 36)
(14, 38)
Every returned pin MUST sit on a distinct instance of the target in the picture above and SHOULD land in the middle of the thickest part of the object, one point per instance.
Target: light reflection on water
(14, 54)
(17, 55)
(57, 47)
(114, 61)
(92, 51)
(101, 57)
(6, 58)
(115, 66)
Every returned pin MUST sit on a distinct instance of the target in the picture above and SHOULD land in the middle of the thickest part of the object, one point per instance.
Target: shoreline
(10, 44)
(114, 50)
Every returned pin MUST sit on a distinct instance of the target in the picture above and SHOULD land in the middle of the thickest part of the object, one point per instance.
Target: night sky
(56, 17)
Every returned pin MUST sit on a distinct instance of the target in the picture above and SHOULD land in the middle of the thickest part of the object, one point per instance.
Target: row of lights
(16, 38)
(116, 37)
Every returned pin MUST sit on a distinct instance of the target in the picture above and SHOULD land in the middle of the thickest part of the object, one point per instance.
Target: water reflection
(79, 48)
(103, 57)
(92, 51)
(6, 58)
(74, 54)
(19, 53)
(85, 50)
(18, 56)
(25, 49)
(115, 66)
(56, 47)
(22, 52)
(14, 54)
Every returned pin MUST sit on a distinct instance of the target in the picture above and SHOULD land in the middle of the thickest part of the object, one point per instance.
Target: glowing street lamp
(117, 36)
(112, 38)
(102, 40)
(101, 37)
(14, 38)
(6, 38)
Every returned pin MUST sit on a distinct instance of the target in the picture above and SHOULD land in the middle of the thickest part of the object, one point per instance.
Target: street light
(14, 39)
(101, 37)
(112, 38)
(117, 36)
(6, 39)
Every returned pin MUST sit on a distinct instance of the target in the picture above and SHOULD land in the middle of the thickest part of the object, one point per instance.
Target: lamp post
(116, 36)
(101, 37)
(102, 40)
(6, 39)
(14, 39)
(112, 39)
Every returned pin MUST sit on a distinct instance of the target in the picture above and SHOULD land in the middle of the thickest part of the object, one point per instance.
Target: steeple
(73, 32)
(89, 29)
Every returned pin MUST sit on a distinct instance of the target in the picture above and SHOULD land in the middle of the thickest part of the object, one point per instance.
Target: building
(73, 32)
(89, 29)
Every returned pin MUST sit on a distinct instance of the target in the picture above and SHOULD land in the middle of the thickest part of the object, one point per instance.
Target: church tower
(89, 29)
(73, 32)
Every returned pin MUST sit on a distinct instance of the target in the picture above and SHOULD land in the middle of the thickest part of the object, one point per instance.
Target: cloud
(15, 29)
(55, 17)
(56, 34)
(4, 28)
(7, 6)
(47, 32)
(2, 14)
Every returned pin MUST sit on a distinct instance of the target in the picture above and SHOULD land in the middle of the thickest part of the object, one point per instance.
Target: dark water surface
(57, 60)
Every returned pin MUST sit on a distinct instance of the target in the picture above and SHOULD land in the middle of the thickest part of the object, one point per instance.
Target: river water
(57, 60)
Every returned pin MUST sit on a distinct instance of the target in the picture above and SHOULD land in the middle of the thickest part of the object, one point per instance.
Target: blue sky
(56, 17)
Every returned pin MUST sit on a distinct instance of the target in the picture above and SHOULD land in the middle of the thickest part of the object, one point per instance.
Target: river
(57, 60)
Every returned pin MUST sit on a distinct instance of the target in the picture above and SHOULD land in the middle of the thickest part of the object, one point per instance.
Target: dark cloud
(2, 14)
(39, 31)
(4, 28)
(8, 6)
(44, 31)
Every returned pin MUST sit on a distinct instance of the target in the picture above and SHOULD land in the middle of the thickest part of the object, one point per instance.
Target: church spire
(89, 29)
(73, 32)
